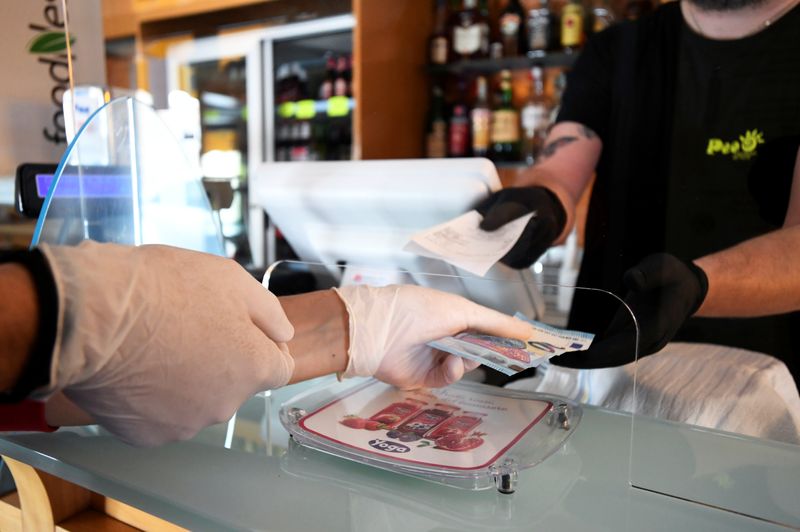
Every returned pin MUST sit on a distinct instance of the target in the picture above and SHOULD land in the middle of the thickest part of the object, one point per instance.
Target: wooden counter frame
(46, 502)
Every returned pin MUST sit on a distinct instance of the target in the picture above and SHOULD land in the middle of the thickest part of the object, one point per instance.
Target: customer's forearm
(19, 315)
(321, 333)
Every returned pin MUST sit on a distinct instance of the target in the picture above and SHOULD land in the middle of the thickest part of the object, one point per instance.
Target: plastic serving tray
(467, 435)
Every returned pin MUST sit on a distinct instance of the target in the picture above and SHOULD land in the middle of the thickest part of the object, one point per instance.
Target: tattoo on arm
(587, 132)
(554, 146)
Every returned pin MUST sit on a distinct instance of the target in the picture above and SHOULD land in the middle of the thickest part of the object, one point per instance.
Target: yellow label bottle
(572, 26)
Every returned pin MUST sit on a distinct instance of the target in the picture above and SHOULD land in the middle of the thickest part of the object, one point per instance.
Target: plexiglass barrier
(718, 426)
(143, 190)
(519, 408)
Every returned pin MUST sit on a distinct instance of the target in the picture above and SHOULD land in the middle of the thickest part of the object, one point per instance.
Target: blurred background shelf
(492, 66)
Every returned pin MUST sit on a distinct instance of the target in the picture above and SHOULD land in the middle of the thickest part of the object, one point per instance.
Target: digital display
(87, 186)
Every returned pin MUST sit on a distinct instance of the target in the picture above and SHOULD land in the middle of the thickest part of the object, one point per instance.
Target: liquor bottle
(458, 133)
(326, 87)
(439, 43)
(480, 119)
(510, 24)
(340, 83)
(281, 79)
(541, 30)
(483, 21)
(602, 16)
(302, 150)
(436, 137)
(559, 86)
(505, 124)
(282, 140)
(319, 137)
(467, 32)
(535, 117)
(296, 83)
(572, 26)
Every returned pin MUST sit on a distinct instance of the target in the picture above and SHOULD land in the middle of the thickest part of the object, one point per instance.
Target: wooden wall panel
(390, 82)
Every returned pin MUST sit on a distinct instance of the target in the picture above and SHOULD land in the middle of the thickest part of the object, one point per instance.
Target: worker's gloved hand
(390, 327)
(543, 228)
(156, 343)
(662, 291)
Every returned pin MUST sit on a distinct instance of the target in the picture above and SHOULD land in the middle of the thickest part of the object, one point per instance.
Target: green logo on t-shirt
(742, 149)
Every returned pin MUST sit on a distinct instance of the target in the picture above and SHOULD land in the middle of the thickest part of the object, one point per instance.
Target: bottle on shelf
(301, 150)
(559, 86)
(467, 32)
(480, 120)
(436, 133)
(439, 44)
(340, 84)
(282, 143)
(535, 117)
(483, 21)
(458, 144)
(601, 15)
(505, 124)
(319, 146)
(326, 87)
(281, 80)
(572, 26)
(510, 24)
(541, 30)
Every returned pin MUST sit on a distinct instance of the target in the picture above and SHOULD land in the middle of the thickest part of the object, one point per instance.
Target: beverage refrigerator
(279, 93)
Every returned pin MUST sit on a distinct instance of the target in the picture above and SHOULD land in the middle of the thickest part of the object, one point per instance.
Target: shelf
(488, 66)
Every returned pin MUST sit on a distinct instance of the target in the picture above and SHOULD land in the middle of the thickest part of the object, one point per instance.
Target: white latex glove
(156, 342)
(390, 327)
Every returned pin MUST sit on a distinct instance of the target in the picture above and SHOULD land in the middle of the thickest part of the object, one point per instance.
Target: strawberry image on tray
(354, 422)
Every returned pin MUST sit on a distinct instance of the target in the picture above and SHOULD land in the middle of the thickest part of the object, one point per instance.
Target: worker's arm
(565, 166)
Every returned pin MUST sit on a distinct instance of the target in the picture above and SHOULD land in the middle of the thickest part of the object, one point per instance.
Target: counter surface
(257, 484)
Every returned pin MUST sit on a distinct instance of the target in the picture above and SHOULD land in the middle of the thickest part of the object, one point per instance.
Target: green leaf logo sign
(50, 42)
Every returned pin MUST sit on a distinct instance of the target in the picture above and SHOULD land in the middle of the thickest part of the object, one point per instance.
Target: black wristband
(36, 371)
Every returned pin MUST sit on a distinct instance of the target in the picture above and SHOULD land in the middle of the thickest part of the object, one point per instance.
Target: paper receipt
(462, 243)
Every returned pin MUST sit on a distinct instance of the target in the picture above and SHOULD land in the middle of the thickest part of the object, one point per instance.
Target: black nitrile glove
(509, 204)
(662, 291)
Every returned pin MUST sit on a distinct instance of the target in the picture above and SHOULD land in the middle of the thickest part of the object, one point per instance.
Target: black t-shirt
(734, 137)
(699, 143)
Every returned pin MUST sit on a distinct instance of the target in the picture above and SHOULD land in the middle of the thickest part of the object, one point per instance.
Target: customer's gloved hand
(390, 326)
(663, 291)
(156, 342)
(543, 228)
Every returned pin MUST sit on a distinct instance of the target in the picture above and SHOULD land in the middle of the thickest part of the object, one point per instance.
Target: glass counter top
(265, 482)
